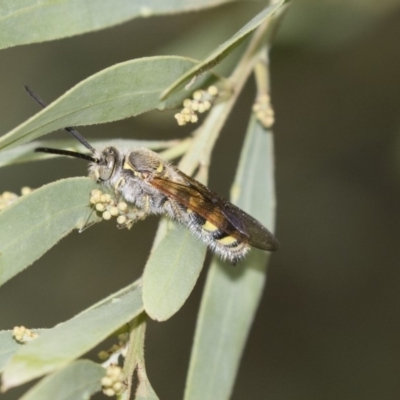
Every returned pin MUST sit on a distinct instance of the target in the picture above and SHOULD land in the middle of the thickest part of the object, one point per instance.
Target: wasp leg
(133, 215)
(87, 224)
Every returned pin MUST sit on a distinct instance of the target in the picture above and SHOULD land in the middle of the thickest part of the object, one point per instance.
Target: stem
(261, 74)
(262, 107)
(135, 352)
(203, 143)
(177, 150)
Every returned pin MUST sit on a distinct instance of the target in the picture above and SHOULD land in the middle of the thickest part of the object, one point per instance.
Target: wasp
(144, 180)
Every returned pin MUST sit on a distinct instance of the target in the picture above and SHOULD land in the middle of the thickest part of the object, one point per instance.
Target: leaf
(117, 92)
(36, 222)
(222, 51)
(171, 272)
(26, 152)
(145, 390)
(8, 346)
(57, 347)
(77, 381)
(32, 21)
(231, 295)
(134, 360)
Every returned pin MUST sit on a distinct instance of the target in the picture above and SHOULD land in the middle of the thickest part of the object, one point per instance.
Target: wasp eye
(106, 171)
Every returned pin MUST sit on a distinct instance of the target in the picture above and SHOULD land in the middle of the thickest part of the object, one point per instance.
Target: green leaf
(77, 381)
(134, 361)
(26, 152)
(145, 390)
(222, 51)
(8, 346)
(117, 92)
(57, 347)
(36, 222)
(171, 272)
(231, 295)
(32, 21)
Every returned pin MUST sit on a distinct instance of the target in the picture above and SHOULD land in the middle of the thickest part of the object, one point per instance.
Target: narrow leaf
(8, 346)
(171, 272)
(222, 51)
(117, 92)
(53, 19)
(77, 381)
(36, 222)
(231, 295)
(145, 390)
(57, 347)
(134, 361)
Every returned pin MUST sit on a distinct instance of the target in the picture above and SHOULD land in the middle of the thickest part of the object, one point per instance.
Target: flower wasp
(145, 181)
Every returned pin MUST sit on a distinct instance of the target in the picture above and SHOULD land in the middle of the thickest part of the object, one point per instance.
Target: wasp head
(105, 164)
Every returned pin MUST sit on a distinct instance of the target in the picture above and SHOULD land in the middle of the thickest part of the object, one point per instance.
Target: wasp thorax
(145, 161)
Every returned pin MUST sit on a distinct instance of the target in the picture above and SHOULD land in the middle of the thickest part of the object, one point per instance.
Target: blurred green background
(328, 325)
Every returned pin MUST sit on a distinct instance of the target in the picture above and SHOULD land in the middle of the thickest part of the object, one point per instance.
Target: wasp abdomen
(222, 243)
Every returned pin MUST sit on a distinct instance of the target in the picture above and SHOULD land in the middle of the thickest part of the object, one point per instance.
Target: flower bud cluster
(263, 110)
(119, 349)
(7, 198)
(105, 204)
(23, 335)
(201, 102)
(113, 382)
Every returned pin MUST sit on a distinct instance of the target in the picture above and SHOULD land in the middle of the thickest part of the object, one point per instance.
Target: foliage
(127, 89)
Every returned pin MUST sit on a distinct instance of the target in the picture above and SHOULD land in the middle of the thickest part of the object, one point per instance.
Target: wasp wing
(215, 209)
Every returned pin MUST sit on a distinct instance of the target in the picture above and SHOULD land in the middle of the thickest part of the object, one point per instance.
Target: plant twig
(199, 152)
(134, 352)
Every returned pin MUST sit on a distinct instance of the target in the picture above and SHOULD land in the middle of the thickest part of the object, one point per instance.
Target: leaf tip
(8, 381)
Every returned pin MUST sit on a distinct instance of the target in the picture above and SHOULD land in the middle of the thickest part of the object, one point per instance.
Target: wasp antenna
(72, 131)
(66, 153)
(35, 96)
